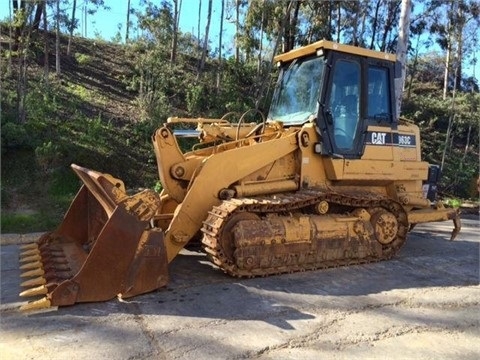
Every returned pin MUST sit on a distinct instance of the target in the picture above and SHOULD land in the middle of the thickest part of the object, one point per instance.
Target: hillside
(86, 116)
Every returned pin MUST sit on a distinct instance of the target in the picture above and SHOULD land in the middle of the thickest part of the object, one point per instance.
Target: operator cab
(343, 88)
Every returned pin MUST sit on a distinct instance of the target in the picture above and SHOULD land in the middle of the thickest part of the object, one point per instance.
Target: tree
(38, 14)
(127, 27)
(320, 20)
(220, 45)
(450, 22)
(19, 20)
(260, 46)
(417, 27)
(45, 46)
(72, 25)
(10, 47)
(57, 38)
(22, 46)
(468, 23)
(199, 21)
(289, 37)
(154, 75)
(176, 19)
(205, 41)
(238, 4)
(402, 44)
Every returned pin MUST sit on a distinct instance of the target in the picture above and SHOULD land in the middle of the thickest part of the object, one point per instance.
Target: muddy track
(267, 257)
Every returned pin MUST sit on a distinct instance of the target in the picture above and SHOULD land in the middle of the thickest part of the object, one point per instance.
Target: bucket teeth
(31, 258)
(30, 252)
(29, 246)
(32, 265)
(33, 282)
(36, 305)
(39, 290)
(34, 272)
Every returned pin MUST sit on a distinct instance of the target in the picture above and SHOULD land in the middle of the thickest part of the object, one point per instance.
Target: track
(258, 255)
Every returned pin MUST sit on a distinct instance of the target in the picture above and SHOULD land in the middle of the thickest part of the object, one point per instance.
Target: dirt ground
(424, 304)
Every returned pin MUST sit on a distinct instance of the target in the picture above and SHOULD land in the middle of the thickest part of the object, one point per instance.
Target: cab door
(342, 107)
(357, 106)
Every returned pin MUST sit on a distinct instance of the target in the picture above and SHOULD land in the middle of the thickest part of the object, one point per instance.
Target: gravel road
(424, 304)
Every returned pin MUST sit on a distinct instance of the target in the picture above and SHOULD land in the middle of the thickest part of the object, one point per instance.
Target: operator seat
(345, 124)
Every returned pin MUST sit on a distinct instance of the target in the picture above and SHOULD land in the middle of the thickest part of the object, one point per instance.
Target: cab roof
(330, 45)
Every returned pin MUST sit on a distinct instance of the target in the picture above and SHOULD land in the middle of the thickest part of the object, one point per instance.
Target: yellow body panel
(325, 44)
(349, 169)
(312, 172)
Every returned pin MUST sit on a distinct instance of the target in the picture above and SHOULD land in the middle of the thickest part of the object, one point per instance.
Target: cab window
(345, 103)
(378, 94)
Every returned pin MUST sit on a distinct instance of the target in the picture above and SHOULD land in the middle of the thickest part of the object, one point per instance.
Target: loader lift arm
(205, 187)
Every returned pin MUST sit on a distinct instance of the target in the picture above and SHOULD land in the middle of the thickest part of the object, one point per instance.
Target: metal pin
(33, 282)
(39, 290)
(35, 305)
(34, 272)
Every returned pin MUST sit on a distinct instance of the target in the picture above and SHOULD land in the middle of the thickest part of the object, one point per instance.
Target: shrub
(14, 135)
(83, 59)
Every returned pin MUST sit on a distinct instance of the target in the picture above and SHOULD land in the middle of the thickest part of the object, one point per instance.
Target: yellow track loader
(330, 177)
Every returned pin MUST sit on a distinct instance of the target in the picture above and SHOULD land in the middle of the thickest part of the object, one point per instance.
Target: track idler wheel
(385, 226)
(227, 238)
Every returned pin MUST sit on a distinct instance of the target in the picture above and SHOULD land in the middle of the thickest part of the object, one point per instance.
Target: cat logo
(378, 138)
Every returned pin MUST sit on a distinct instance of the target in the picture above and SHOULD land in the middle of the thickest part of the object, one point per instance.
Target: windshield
(296, 95)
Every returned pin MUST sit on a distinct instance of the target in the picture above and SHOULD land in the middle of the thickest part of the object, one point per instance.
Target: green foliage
(153, 105)
(64, 185)
(238, 86)
(83, 94)
(455, 203)
(28, 201)
(157, 21)
(14, 135)
(144, 129)
(83, 59)
(195, 99)
(4, 195)
(27, 222)
(158, 187)
(94, 131)
(49, 156)
(431, 113)
(42, 102)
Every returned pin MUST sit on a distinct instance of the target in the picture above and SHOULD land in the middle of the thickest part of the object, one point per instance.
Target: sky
(188, 19)
(105, 22)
